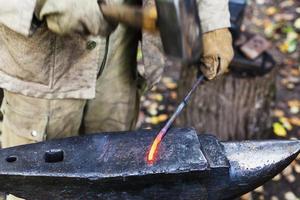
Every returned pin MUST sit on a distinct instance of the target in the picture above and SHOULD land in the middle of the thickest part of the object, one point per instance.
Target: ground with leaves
(279, 22)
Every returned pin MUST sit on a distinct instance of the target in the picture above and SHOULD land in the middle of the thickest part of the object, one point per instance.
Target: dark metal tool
(166, 127)
(110, 166)
(177, 21)
(237, 9)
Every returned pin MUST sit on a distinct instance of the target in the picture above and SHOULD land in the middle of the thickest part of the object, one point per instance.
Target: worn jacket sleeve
(214, 14)
(17, 15)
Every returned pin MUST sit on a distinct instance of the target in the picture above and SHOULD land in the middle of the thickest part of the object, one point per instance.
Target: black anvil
(114, 166)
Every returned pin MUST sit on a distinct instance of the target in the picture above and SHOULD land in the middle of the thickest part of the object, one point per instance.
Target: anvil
(114, 166)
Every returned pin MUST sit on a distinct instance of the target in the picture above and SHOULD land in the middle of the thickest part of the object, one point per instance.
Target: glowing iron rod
(164, 130)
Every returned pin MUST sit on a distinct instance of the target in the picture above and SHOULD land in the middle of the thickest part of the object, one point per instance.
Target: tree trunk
(231, 107)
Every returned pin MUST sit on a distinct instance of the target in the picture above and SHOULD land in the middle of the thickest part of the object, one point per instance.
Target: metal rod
(162, 133)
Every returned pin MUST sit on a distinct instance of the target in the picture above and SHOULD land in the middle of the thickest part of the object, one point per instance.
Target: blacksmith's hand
(217, 53)
(65, 17)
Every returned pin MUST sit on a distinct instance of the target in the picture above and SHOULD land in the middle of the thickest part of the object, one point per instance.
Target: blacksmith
(51, 52)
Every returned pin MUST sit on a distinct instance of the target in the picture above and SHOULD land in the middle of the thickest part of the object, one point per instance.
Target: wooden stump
(231, 107)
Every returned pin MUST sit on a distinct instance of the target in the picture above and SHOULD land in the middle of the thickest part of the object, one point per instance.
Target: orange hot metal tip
(153, 149)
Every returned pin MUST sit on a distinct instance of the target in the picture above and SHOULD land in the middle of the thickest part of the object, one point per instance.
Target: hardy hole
(11, 159)
(54, 156)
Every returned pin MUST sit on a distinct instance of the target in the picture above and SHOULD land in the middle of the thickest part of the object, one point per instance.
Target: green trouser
(115, 108)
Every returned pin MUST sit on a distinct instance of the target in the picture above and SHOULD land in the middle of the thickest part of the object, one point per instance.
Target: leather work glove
(65, 17)
(217, 53)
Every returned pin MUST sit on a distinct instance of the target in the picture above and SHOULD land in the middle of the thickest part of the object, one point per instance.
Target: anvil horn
(252, 163)
(114, 166)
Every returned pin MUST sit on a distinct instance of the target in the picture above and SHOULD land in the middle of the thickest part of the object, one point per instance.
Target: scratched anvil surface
(115, 155)
(108, 166)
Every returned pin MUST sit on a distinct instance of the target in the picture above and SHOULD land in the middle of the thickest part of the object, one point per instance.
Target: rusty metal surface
(112, 166)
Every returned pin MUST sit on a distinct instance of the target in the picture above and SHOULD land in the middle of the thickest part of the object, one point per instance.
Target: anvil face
(114, 155)
(105, 166)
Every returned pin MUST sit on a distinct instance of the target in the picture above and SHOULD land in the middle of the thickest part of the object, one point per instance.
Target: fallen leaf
(156, 97)
(290, 86)
(270, 28)
(287, 171)
(294, 110)
(292, 46)
(146, 103)
(297, 23)
(294, 102)
(290, 196)
(171, 85)
(285, 122)
(291, 41)
(283, 47)
(274, 198)
(287, 3)
(282, 17)
(173, 95)
(291, 178)
(279, 130)
(152, 120)
(277, 178)
(167, 80)
(139, 54)
(295, 121)
(162, 117)
(297, 168)
(271, 10)
(259, 189)
(295, 72)
(260, 1)
(278, 113)
(152, 111)
(161, 107)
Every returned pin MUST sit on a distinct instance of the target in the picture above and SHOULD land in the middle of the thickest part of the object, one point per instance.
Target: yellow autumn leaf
(269, 29)
(154, 120)
(162, 117)
(285, 122)
(271, 11)
(279, 130)
(284, 47)
(156, 97)
(171, 85)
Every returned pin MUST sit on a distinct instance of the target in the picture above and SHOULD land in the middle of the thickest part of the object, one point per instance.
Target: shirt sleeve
(214, 14)
(17, 15)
